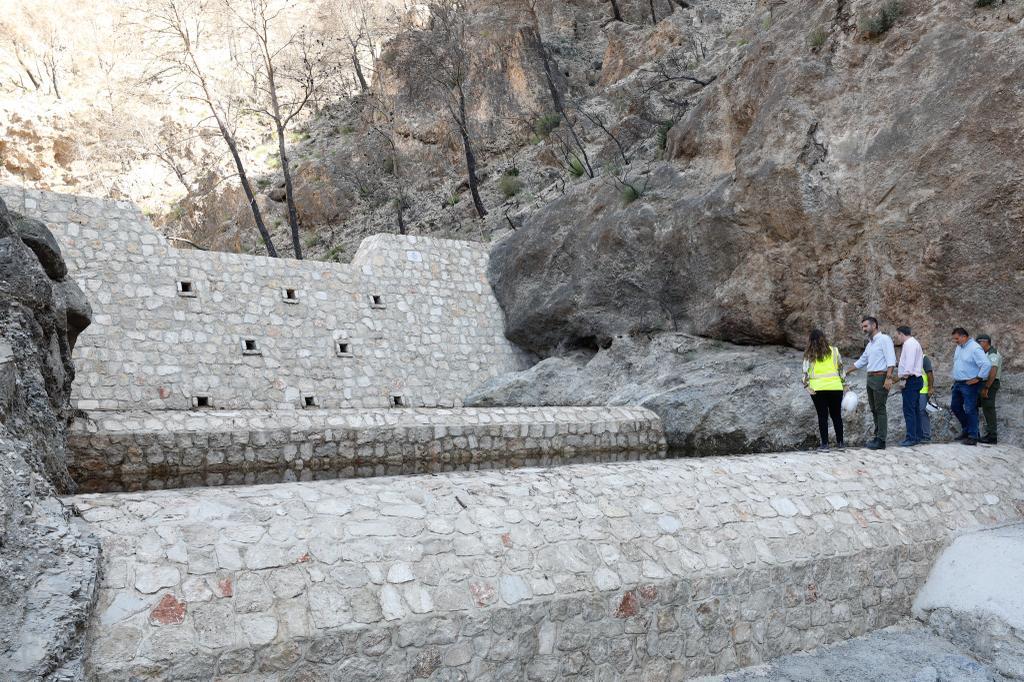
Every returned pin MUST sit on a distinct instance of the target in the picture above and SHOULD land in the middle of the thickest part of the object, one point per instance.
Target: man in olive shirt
(879, 358)
(987, 401)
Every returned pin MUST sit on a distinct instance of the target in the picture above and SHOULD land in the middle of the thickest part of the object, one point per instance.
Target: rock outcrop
(48, 564)
(713, 398)
(823, 175)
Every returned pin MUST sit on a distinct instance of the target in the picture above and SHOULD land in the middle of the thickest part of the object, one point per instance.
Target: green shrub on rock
(576, 167)
(817, 37)
(510, 185)
(631, 193)
(545, 124)
(663, 129)
(879, 23)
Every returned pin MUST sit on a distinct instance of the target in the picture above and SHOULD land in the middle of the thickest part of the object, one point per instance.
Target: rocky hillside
(826, 173)
(47, 564)
(840, 159)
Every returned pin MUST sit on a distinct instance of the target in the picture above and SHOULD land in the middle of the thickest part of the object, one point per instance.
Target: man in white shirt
(879, 358)
(910, 371)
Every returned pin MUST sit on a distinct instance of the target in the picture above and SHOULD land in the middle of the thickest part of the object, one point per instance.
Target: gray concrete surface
(902, 653)
(981, 572)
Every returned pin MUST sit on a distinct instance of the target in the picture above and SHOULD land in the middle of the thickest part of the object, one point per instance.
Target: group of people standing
(976, 371)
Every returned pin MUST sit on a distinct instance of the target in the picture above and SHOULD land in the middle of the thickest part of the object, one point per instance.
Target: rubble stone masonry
(652, 570)
(151, 450)
(411, 321)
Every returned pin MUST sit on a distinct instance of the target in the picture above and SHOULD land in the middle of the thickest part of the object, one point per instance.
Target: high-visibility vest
(924, 375)
(823, 375)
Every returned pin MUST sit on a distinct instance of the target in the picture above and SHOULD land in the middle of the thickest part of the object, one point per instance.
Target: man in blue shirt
(879, 358)
(970, 367)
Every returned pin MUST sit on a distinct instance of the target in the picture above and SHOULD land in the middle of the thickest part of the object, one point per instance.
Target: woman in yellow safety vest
(823, 379)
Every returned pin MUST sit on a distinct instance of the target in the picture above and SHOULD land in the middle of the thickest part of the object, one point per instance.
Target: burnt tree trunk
(293, 211)
(279, 125)
(474, 183)
(616, 14)
(246, 187)
(400, 207)
(556, 98)
(229, 139)
(358, 68)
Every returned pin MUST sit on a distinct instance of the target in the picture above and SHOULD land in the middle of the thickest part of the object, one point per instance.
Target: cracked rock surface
(48, 562)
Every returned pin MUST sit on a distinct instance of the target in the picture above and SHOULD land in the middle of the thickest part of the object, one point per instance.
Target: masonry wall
(410, 320)
(657, 570)
(145, 450)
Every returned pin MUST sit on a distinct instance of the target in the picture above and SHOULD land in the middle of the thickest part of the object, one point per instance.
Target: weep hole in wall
(251, 347)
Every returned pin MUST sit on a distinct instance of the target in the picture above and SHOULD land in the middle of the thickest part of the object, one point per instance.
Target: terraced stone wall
(152, 450)
(656, 570)
(410, 322)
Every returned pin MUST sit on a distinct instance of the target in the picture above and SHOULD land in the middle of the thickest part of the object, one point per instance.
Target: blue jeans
(965, 406)
(926, 421)
(912, 407)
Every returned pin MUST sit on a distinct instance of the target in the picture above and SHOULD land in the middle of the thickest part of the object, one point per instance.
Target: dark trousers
(965, 406)
(988, 408)
(829, 403)
(926, 421)
(912, 408)
(877, 395)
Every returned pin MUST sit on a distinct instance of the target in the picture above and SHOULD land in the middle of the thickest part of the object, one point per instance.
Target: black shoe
(823, 447)
(989, 440)
(962, 436)
(968, 441)
(876, 445)
(840, 445)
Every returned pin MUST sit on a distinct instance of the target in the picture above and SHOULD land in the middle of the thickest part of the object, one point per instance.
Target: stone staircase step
(140, 450)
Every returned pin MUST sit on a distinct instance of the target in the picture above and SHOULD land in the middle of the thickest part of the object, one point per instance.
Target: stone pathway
(649, 570)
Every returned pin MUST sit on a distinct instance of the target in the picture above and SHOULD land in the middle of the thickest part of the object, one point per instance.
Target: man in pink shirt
(909, 371)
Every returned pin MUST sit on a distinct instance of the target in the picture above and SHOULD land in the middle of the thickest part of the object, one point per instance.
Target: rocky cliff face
(47, 563)
(821, 172)
(823, 175)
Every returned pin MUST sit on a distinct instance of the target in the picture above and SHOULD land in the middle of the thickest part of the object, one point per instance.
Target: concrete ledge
(974, 596)
(155, 450)
(650, 570)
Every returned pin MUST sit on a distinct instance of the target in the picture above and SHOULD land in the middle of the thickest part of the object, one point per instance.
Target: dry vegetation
(296, 127)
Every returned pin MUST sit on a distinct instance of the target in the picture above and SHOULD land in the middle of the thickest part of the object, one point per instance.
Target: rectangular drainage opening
(309, 401)
(397, 401)
(343, 349)
(186, 289)
(376, 301)
(201, 401)
(289, 295)
(250, 347)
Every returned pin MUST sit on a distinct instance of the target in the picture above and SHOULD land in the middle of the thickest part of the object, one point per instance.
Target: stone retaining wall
(649, 570)
(139, 450)
(411, 320)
